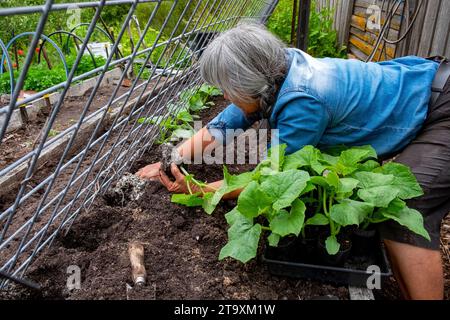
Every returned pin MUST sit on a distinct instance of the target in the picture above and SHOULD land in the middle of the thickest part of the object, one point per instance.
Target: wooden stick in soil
(138, 272)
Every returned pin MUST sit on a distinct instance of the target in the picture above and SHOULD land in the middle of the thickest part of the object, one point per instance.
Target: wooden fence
(427, 37)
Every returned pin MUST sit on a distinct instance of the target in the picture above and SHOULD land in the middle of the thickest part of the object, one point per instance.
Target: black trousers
(428, 156)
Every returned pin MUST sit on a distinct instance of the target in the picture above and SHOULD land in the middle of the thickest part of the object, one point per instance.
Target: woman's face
(246, 107)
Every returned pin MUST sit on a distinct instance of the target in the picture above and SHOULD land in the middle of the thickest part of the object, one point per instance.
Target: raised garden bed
(181, 252)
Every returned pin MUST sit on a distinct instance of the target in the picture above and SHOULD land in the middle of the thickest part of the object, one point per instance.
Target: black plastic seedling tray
(353, 273)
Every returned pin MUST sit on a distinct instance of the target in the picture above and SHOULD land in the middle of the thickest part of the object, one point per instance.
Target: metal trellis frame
(44, 203)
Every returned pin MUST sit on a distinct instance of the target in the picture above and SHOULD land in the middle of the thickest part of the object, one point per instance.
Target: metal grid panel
(115, 142)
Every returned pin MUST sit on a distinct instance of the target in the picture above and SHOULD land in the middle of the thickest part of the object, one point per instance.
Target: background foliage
(323, 40)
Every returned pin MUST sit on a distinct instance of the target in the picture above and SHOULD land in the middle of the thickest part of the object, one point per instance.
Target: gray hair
(246, 62)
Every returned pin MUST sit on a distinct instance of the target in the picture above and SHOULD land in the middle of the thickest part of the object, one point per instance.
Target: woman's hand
(180, 184)
(150, 172)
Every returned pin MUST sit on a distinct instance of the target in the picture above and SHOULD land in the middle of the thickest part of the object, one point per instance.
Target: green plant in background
(197, 98)
(323, 40)
(280, 21)
(173, 128)
(176, 125)
(40, 77)
(345, 188)
(52, 133)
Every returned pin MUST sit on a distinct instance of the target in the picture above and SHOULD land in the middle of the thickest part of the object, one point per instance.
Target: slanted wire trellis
(89, 163)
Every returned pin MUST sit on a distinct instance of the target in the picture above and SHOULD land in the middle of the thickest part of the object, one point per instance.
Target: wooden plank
(429, 26)
(370, 38)
(401, 47)
(338, 18)
(335, 7)
(347, 21)
(357, 53)
(416, 32)
(364, 4)
(447, 48)
(391, 34)
(442, 29)
(367, 48)
(338, 14)
(396, 20)
(359, 22)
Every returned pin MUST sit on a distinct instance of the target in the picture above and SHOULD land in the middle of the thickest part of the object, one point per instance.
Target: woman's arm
(188, 150)
(215, 132)
(193, 147)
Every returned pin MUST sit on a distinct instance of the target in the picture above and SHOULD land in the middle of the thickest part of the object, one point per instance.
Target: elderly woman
(327, 102)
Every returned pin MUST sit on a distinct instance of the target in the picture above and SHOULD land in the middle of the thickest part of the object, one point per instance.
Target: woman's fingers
(164, 179)
(149, 172)
(179, 177)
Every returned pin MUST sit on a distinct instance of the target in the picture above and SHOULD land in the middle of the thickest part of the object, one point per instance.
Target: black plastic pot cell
(354, 272)
(364, 241)
(339, 258)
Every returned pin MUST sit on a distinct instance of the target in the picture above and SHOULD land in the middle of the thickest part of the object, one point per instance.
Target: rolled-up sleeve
(223, 126)
(301, 120)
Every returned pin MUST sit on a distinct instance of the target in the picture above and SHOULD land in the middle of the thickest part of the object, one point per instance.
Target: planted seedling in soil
(176, 125)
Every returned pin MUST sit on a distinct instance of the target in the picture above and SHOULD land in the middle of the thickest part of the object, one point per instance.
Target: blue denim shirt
(327, 102)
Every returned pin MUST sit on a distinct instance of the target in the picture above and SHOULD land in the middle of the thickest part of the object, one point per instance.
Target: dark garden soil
(181, 252)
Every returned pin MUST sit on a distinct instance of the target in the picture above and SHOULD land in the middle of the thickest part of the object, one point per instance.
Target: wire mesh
(44, 190)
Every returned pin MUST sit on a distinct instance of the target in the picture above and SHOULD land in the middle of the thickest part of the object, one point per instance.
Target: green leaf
(243, 239)
(349, 212)
(369, 165)
(371, 179)
(181, 134)
(379, 196)
(309, 187)
(349, 159)
(285, 223)
(207, 205)
(318, 219)
(189, 200)
(235, 216)
(185, 116)
(285, 187)
(329, 159)
(253, 200)
(404, 180)
(396, 205)
(409, 218)
(347, 185)
(307, 156)
(332, 179)
(319, 181)
(234, 182)
(332, 245)
(230, 184)
(273, 239)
